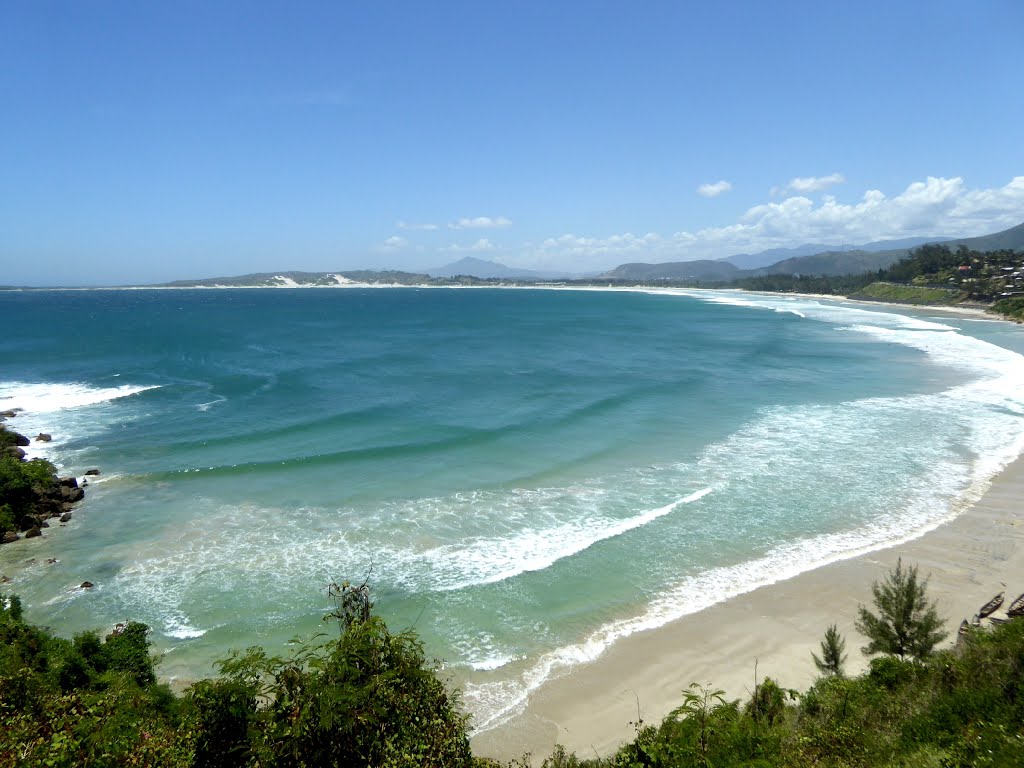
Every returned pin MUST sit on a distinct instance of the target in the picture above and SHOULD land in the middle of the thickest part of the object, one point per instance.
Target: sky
(146, 142)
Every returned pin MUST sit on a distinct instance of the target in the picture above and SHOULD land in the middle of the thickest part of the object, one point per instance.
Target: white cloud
(392, 244)
(412, 227)
(931, 208)
(483, 245)
(814, 183)
(714, 190)
(482, 222)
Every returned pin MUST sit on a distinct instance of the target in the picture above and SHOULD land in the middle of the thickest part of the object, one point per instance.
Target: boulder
(67, 506)
(32, 532)
(43, 524)
(75, 494)
(8, 537)
(92, 472)
(52, 561)
(5, 579)
(20, 439)
(15, 451)
(86, 585)
(10, 414)
(65, 517)
(69, 482)
(43, 437)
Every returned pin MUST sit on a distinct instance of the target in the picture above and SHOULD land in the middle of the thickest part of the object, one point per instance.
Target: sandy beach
(775, 628)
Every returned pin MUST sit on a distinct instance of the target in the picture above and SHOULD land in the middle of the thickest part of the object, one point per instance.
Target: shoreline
(770, 631)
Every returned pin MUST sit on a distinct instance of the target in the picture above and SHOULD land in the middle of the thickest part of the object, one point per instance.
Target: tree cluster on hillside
(964, 274)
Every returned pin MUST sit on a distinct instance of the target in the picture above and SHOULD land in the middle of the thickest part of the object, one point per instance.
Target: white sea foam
(493, 559)
(36, 398)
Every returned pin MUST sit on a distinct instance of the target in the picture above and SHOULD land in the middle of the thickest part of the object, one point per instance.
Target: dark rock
(5, 579)
(15, 451)
(86, 585)
(69, 482)
(65, 517)
(92, 472)
(32, 532)
(85, 484)
(67, 506)
(43, 437)
(43, 524)
(75, 494)
(52, 561)
(11, 413)
(21, 439)
(8, 537)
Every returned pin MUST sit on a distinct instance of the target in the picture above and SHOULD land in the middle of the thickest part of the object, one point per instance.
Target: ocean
(523, 476)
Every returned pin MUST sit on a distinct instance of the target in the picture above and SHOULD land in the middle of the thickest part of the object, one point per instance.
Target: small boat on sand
(961, 634)
(991, 606)
(1016, 607)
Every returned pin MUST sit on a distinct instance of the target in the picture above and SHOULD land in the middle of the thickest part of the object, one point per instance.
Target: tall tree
(833, 654)
(906, 624)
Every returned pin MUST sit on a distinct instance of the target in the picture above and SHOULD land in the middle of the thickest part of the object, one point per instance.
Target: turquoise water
(525, 475)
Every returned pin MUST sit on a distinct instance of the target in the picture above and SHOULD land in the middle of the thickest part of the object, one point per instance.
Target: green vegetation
(368, 697)
(908, 294)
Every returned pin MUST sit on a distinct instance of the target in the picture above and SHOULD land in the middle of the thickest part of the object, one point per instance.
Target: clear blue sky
(149, 141)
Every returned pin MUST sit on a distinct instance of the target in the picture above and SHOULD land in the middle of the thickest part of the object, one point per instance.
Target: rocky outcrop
(32, 503)
(44, 437)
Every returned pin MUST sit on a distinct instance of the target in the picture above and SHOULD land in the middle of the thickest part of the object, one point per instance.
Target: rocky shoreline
(31, 493)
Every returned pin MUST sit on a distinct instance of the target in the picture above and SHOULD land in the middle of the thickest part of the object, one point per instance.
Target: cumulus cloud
(482, 222)
(413, 227)
(483, 245)
(714, 190)
(931, 208)
(814, 183)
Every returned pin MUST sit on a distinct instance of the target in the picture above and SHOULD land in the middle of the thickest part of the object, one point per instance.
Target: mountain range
(831, 261)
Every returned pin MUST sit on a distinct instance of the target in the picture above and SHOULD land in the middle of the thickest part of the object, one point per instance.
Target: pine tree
(833, 654)
(906, 624)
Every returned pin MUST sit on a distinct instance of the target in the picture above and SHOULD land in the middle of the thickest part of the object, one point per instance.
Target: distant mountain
(866, 258)
(1011, 239)
(775, 255)
(474, 267)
